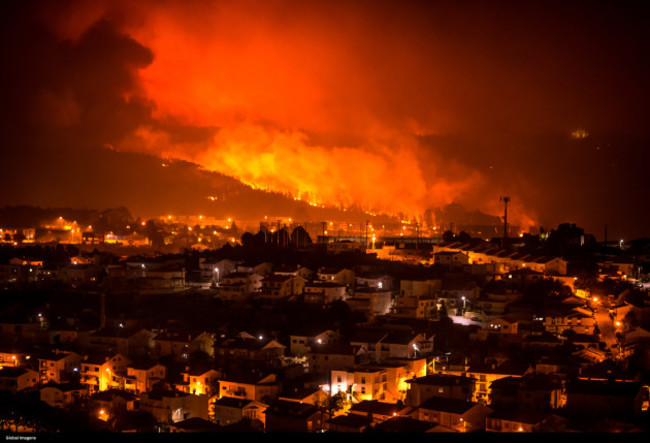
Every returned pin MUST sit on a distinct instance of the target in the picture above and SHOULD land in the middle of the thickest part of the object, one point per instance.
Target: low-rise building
(324, 293)
(378, 411)
(62, 395)
(200, 381)
(260, 388)
(440, 385)
(276, 288)
(459, 415)
(58, 366)
(174, 406)
(323, 359)
(230, 410)
(289, 416)
(336, 275)
(143, 375)
(17, 380)
(101, 372)
(557, 323)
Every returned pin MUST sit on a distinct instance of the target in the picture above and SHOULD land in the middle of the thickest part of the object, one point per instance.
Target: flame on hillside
(272, 79)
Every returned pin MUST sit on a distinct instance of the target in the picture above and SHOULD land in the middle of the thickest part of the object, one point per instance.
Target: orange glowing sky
(396, 108)
(275, 77)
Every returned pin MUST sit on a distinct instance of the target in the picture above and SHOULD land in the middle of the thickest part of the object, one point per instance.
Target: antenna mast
(505, 200)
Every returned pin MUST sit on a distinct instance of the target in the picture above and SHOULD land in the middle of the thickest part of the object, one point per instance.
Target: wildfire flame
(298, 102)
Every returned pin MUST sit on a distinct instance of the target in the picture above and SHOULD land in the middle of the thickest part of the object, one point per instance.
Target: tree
(300, 238)
(448, 236)
(464, 237)
(248, 240)
(630, 321)
(442, 312)
(153, 233)
(596, 330)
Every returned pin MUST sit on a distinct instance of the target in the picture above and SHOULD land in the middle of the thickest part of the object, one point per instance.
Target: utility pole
(505, 200)
(367, 234)
(102, 311)
(324, 240)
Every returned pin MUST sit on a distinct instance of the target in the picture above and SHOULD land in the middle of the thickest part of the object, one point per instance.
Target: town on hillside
(172, 326)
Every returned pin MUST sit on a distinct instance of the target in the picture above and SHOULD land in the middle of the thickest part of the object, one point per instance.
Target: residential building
(229, 410)
(250, 386)
(17, 380)
(604, 398)
(174, 406)
(277, 288)
(62, 395)
(458, 415)
(99, 372)
(130, 342)
(440, 385)
(143, 376)
(238, 286)
(378, 411)
(325, 358)
(324, 292)
(200, 381)
(58, 366)
(289, 416)
(337, 275)
(301, 342)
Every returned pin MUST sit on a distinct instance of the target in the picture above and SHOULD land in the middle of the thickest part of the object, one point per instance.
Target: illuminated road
(606, 326)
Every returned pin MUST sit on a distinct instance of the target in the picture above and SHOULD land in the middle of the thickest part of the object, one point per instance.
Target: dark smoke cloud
(490, 91)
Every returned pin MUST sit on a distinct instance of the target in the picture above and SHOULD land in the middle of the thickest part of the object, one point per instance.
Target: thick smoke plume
(394, 109)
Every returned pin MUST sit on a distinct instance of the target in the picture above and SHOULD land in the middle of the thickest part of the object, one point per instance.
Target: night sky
(394, 106)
